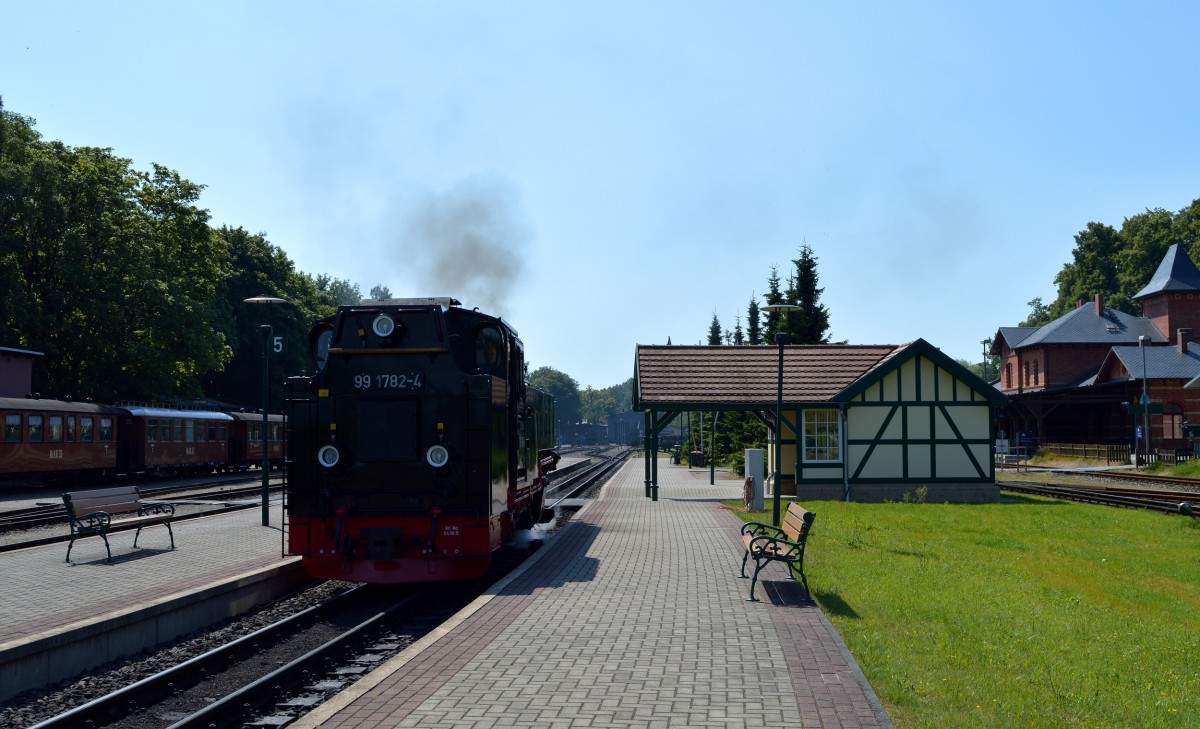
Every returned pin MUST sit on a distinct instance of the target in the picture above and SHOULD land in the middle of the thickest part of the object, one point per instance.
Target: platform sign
(1151, 408)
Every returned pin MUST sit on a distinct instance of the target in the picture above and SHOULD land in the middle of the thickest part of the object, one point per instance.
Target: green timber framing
(908, 415)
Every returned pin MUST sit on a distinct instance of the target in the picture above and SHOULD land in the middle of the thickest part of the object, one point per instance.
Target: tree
(773, 296)
(596, 405)
(714, 331)
(565, 391)
(1039, 314)
(810, 325)
(338, 292)
(753, 325)
(380, 291)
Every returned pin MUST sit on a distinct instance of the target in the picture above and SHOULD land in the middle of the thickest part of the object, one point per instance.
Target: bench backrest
(796, 522)
(116, 500)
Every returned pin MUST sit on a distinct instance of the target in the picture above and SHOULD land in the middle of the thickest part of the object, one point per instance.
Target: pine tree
(812, 324)
(714, 331)
(774, 296)
(753, 326)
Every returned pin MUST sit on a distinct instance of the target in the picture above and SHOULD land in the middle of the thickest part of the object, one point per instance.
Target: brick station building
(1075, 379)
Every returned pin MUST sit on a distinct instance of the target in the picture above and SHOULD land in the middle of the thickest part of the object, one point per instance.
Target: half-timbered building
(857, 422)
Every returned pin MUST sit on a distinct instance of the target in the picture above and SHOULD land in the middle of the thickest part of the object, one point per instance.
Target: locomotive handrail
(389, 350)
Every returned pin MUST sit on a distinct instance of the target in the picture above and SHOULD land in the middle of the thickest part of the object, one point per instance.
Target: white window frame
(819, 438)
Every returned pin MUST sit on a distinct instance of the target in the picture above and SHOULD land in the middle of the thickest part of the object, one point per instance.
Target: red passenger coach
(57, 438)
(174, 441)
(245, 441)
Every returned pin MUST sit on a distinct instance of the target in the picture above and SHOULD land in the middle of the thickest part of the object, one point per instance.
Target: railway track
(1165, 501)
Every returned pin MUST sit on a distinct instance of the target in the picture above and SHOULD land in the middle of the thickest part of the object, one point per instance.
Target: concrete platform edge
(41, 659)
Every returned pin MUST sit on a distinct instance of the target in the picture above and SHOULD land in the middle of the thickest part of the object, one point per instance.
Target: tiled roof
(749, 375)
(1162, 363)
(1016, 335)
(1084, 326)
(1176, 272)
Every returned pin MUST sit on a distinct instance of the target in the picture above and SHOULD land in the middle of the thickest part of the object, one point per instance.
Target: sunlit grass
(1027, 613)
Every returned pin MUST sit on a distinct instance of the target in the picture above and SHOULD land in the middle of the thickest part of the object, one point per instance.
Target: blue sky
(608, 174)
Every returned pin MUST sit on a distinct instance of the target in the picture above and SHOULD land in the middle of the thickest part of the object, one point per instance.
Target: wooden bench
(767, 544)
(92, 513)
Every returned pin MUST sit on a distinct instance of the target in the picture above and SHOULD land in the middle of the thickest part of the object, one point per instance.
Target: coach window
(85, 430)
(152, 430)
(164, 430)
(106, 430)
(12, 428)
(212, 430)
(35, 428)
(70, 428)
(178, 427)
(221, 433)
(54, 432)
(189, 430)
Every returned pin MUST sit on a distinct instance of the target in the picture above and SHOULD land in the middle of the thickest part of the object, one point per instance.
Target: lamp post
(781, 338)
(1145, 400)
(265, 330)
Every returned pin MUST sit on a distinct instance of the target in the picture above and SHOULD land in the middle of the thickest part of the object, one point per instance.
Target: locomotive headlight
(437, 456)
(328, 456)
(383, 325)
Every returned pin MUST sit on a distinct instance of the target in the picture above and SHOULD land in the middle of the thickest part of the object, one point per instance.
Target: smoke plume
(468, 242)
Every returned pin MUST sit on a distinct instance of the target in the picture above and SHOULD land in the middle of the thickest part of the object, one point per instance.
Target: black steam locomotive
(416, 450)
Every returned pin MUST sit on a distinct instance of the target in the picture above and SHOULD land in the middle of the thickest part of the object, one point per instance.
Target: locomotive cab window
(489, 350)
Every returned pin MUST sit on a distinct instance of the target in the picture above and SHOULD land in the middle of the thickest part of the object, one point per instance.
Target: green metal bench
(92, 513)
(785, 543)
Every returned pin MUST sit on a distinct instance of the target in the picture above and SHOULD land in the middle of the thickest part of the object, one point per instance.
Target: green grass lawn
(1027, 613)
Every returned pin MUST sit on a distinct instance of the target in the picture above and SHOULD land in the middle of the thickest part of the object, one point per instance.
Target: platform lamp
(265, 330)
(1145, 399)
(781, 338)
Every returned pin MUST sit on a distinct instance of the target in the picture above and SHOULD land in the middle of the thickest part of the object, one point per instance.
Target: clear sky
(608, 174)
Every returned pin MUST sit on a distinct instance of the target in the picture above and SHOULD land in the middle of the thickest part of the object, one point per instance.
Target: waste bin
(696, 459)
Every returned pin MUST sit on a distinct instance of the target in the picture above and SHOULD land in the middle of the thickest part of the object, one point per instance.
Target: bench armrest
(755, 528)
(97, 520)
(775, 548)
(150, 509)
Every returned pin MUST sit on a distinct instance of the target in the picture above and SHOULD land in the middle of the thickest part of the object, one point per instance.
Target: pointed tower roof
(1175, 273)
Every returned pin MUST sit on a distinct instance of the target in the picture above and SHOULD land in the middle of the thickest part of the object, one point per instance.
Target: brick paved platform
(58, 617)
(631, 616)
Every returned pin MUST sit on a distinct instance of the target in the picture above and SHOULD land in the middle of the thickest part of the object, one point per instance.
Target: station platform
(632, 615)
(59, 618)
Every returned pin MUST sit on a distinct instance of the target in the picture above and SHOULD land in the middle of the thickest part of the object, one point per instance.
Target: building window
(1008, 374)
(1172, 426)
(1026, 374)
(822, 436)
(1036, 376)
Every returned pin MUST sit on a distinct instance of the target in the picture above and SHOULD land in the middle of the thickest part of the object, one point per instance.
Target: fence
(1109, 453)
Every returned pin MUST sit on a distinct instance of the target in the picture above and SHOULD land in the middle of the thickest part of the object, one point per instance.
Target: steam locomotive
(416, 450)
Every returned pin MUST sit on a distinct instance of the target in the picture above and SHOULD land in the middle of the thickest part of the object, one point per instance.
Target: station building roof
(1176, 272)
(747, 377)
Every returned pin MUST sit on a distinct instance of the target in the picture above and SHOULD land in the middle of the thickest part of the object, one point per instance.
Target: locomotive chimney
(1099, 304)
(1184, 336)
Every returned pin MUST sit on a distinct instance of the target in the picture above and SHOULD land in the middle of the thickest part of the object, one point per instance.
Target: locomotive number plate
(397, 381)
